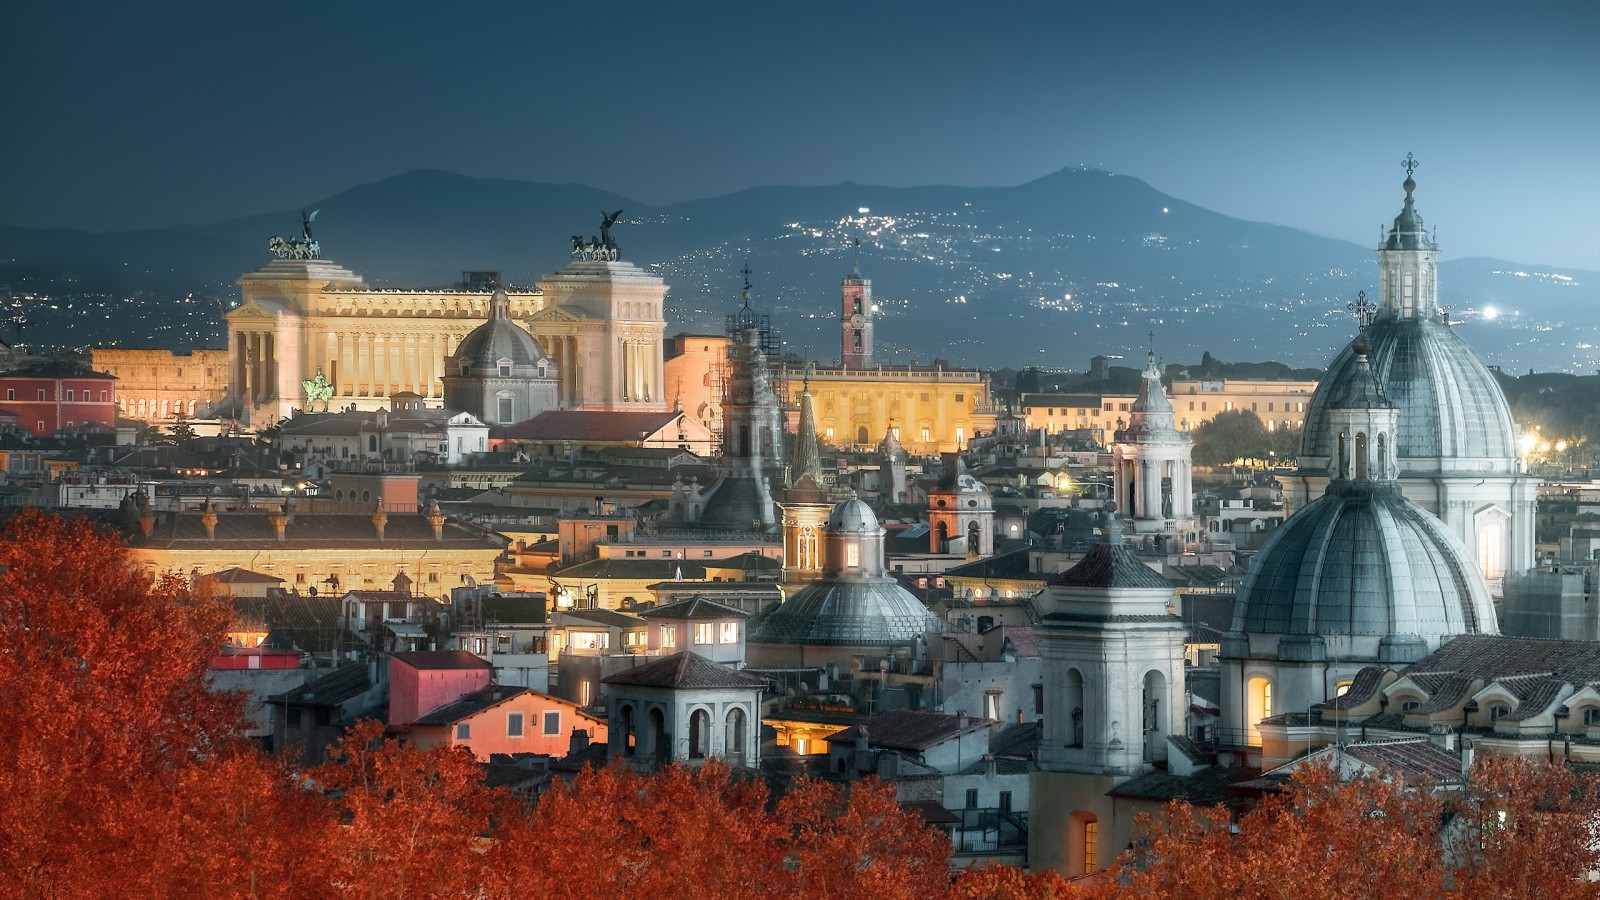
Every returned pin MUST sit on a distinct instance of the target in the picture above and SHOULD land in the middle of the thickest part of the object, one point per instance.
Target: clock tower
(855, 341)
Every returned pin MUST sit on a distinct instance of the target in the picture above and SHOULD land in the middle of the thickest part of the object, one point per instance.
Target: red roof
(587, 425)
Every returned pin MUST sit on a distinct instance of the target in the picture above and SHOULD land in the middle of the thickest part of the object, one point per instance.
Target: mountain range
(1045, 274)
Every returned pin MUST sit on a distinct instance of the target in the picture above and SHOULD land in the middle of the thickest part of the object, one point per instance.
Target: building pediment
(554, 314)
(256, 311)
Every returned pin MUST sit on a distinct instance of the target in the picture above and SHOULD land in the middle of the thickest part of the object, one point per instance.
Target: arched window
(1083, 843)
(658, 745)
(734, 740)
(1155, 692)
(1258, 706)
(699, 734)
(1361, 454)
(629, 737)
(1072, 705)
(806, 548)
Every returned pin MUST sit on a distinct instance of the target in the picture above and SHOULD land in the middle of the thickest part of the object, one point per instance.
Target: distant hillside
(1043, 274)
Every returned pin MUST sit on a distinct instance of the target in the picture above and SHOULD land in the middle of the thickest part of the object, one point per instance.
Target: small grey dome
(499, 339)
(852, 515)
(1451, 408)
(1364, 561)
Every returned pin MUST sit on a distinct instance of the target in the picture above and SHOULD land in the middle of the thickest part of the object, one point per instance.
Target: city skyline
(1295, 114)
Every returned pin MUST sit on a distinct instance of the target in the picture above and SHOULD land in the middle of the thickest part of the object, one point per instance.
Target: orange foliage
(406, 822)
(707, 832)
(1379, 838)
(1525, 829)
(103, 702)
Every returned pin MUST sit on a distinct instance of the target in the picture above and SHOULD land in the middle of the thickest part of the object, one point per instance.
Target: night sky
(149, 114)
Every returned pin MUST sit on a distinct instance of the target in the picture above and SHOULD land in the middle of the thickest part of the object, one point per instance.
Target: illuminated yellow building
(1099, 414)
(159, 385)
(932, 409)
(1279, 404)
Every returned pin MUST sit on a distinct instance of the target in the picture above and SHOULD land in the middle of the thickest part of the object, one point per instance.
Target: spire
(1151, 417)
(1408, 232)
(807, 450)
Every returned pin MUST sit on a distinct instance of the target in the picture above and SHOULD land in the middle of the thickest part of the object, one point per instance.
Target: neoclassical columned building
(599, 320)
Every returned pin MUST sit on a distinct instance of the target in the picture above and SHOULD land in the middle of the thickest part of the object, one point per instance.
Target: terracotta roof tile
(686, 670)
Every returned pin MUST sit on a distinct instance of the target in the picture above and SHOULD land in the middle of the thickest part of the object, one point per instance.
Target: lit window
(1091, 846)
(669, 635)
(703, 633)
(730, 632)
(852, 556)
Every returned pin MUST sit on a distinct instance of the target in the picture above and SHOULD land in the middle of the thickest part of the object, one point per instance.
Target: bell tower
(855, 340)
(1408, 262)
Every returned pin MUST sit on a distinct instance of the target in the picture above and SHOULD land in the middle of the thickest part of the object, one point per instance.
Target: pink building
(509, 720)
(422, 681)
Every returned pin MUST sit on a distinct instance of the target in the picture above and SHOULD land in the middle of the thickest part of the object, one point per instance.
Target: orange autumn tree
(103, 705)
(404, 821)
(1525, 828)
(1520, 828)
(708, 832)
(1370, 837)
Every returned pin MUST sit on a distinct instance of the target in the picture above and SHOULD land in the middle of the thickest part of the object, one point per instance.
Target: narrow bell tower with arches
(855, 341)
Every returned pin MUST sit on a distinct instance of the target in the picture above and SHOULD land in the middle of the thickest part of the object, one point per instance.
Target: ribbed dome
(497, 339)
(855, 613)
(1363, 561)
(1451, 408)
(852, 515)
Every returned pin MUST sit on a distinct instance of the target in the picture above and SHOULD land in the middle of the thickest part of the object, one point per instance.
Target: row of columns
(376, 364)
(563, 351)
(638, 370)
(257, 363)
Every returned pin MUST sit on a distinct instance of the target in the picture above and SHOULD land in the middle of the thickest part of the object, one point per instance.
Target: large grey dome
(499, 339)
(1451, 409)
(858, 613)
(1364, 561)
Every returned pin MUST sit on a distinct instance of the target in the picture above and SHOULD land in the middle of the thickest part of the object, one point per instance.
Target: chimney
(208, 518)
(437, 520)
(280, 521)
(861, 738)
(147, 521)
(579, 741)
(379, 518)
(988, 764)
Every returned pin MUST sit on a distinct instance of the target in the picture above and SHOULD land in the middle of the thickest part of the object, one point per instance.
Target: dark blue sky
(150, 113)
